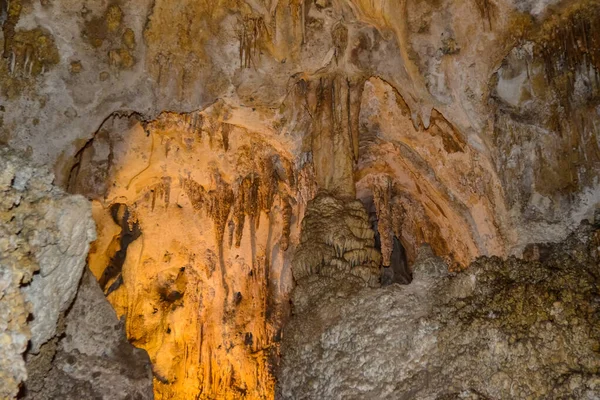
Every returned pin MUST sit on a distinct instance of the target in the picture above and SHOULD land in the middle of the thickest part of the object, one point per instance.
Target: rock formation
(194, 219)
(501, 329)
(92, 358)
(242, 154)
(45, 239)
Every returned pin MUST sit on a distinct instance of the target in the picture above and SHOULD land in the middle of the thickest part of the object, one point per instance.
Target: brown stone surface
(202, 129)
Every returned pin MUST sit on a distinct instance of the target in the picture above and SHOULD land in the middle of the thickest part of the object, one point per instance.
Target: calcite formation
(336, 240)
(336, 255)
(204, 132)
(194, 219)
(441, 104)
(45, 236)
(501, 329)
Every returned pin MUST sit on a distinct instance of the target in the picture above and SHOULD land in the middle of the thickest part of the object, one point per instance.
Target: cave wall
(194, 219)
(479, 71)
(60, 338)
(201, 130)
(45, 240)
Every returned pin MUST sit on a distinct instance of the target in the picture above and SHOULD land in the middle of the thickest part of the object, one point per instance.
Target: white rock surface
(41, 229)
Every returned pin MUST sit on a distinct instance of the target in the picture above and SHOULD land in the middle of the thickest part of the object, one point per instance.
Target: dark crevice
(130, 231)
(399, 270)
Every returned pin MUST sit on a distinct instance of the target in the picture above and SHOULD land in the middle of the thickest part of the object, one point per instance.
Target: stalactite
(287, 213)
(195, 193)
(29, 53)
(382, 195)
(355, 101)
(268, 186)
(162, 191)
(225, 132)
(195, 123)
(246, 204)
(217, 203)
(220, 202)
(252, 31)
(569, 42)
(229, 294)
(332, 99)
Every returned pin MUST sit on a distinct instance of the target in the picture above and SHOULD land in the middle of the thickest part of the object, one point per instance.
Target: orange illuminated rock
(195, 217)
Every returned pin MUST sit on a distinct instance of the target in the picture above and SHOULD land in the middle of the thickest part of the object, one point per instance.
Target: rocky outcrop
(50, 346)
(44, 240)
(501, 329)
(92, 358)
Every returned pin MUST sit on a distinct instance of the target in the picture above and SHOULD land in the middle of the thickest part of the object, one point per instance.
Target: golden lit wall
(194, 219)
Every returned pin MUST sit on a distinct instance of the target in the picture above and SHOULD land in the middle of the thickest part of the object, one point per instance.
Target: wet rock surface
(500, 329)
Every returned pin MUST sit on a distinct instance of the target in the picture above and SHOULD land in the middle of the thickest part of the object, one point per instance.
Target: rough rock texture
(336, 251)
(196, 224)
(470, 125)
(465, 106)
(500, 329)
(44, 240)
(92, 359)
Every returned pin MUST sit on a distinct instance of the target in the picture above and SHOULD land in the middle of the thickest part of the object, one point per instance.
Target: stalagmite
(328, 234)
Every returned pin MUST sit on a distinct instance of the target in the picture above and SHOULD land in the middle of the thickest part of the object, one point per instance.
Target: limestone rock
(336, 240)
(45, 236)
(93, 359)
(197, 222)
(500, 329)
(202, 129)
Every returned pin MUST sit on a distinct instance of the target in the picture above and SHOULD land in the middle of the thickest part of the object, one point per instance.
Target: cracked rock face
(73, 349)
(500, 329)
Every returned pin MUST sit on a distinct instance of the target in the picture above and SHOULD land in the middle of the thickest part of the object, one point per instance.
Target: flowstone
(337, 254)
